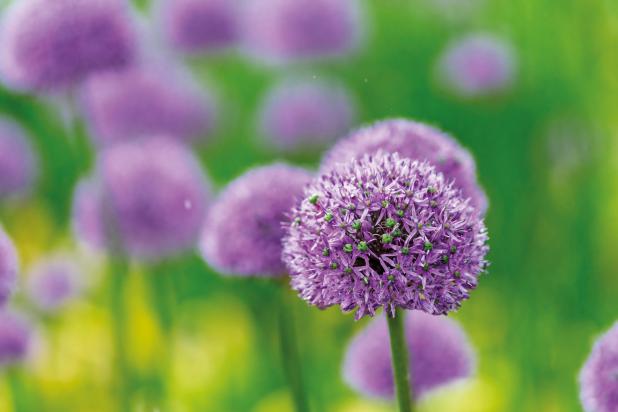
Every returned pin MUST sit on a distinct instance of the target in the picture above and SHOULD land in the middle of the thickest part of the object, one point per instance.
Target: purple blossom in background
(477, 65)
(55, 44)
(194, 26)
(383, 231)
(298, 114)
(279, 31)
(9, 266)
(243, 231)
(146, 101)
(439, 353)
(155, 191)
(416, 141)
(53, 282)
(15, 337)
(599, 376)
(17, 160)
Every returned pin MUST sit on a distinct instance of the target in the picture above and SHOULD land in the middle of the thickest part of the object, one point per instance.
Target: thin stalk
(119, 270)
(399, 351)
(290, 353)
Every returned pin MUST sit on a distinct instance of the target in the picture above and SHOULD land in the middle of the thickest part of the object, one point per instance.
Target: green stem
(290, 353)
(19, 394)
(119, 270)
(399, 353)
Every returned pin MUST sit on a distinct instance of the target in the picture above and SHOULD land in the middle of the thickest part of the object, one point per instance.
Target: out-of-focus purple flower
(280, 31)
(53, 282)
(15, 337)
(55, 44)
(195, 26)
(151, 192)
(306, 113)
(477, 65)
(383, 231)
(17, 160)
(416, 141)
(438, 348)
(599, 376)
(9, 265)
(243, 231)
(146, 101)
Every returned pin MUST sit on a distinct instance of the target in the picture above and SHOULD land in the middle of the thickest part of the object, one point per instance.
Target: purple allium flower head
(15, 337)
(302, 113)
(416, 141)
(439, 353)
(9, 266)
(599, 376)
(194, 26)
(53, 282)
(279, 31)
(55, 44)
(243, 231)
(146, 100)
(383, 231)
(477, 65)
(155, 191)
(17, 160)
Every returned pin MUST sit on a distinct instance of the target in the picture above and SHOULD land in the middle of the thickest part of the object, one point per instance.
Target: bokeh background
(547, 155)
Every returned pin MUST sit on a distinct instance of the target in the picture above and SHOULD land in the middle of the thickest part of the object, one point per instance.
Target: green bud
(347, 270)
(427, 246)
(397, 233)
(328, 216)
(356, 225)
(400, 213)
(334, 265)
(385, 203)
(326, 252)
(405, 250)
(314, 199)
(445, 259)
(453, 249)
(390, 222)
(391, 278)
(362, 246)
(457, 274)
(347, 248)
(387, 238)
(431, 190)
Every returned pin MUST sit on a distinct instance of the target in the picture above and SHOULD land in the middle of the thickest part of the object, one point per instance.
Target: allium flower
(53, 282)
(146, 101)
(194, 26)
(155, 192)
(15, 337)
(388, 232)
(302, 113)
(243, 231)
(477, 65)
(55, 44)
(438, 348)
(279, 31)
(17, 160)
(599, 376)
(416, 141)
(9, 265)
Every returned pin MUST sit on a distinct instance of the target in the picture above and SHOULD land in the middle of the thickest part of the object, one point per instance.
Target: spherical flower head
(146, 101)
(388, 232)
(281, 31)
(243, 231)
(53, 282)
(9, 266)
(194, 26)
(438, 348)
(416, 141)
(477, 65)
(15, 337)
(152, 193)
(599, 377)
(51, 45)
(17, 160)
(299, 114)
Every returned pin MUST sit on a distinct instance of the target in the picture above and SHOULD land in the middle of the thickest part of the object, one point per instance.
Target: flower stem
(119, 268)
(290, 353)
(399, 353)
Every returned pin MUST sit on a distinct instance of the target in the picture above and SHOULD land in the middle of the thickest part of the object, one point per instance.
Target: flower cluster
(15, 337)
(599, 376)
(383, 231)
(305, 113)
(416, 141)
(151, 193)
(438, 348)
(243, 231)
(56, 44)
(53, 282)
